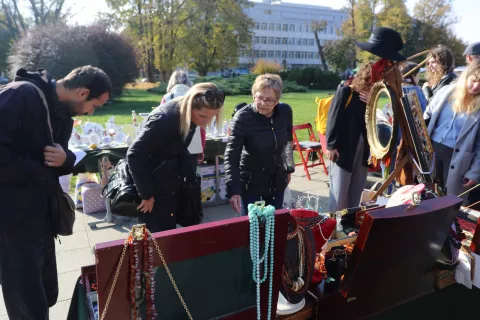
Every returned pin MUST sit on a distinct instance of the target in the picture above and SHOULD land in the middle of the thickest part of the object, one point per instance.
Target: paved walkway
(76, 250)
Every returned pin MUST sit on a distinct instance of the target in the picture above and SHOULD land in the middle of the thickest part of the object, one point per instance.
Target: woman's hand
(201, 157)
(147, 205)
(235, 202)
(365, 95)
(467, 183)
(333, 155)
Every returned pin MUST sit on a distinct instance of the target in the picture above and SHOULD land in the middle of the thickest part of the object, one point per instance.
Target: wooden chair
(311, 146)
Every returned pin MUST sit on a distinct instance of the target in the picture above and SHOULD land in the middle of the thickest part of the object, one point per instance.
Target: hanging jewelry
(258, 213)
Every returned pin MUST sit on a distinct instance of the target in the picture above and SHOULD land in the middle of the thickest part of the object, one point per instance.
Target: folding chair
(310, 146)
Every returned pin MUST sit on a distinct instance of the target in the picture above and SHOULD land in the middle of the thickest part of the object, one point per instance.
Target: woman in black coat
(259, 154)
(155, 157)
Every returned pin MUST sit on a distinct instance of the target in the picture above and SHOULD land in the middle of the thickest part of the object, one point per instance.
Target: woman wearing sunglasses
(157, 156)
(259, 154)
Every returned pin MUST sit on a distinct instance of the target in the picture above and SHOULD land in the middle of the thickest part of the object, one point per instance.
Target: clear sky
(466, 10)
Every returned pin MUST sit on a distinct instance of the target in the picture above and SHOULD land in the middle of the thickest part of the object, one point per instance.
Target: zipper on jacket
(275, 139)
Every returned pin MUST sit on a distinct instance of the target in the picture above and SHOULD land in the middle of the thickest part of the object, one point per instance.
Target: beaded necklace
(145, 274)
(267, 216)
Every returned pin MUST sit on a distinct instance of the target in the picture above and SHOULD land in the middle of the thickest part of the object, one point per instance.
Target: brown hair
(444, 57)
(363, 78)
(463, 101)
(268, 81)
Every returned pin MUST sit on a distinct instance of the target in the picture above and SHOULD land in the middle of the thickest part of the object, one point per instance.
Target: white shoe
(285, 308)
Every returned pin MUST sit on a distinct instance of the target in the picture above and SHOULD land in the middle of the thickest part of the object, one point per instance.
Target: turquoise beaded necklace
(258, 213)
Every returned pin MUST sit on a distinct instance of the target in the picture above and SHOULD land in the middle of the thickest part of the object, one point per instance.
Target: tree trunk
(320, 52)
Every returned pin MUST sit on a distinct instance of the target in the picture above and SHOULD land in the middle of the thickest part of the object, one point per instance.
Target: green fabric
(78, 305)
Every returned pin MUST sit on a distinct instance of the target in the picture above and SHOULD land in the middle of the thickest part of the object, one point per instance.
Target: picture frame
(424, 153)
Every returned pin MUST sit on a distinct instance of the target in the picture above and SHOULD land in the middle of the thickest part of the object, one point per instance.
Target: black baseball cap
(473, 49)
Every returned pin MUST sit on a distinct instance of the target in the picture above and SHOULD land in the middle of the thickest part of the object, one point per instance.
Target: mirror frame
(376, 148)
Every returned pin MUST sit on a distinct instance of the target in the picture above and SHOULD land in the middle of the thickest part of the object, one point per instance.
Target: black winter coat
(345, 125)
(160, 142)
(255, 153)
(26, 183)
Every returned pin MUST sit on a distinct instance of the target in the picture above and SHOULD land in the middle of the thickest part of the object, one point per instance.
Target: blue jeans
(276, 200)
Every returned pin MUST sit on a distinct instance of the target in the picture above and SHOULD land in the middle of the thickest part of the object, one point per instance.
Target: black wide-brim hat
(384, 43)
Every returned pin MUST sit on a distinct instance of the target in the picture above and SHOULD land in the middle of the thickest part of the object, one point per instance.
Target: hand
(235, 202)
(365, 95)
(201, 157)
(425, 85)
(147, 205)
(289, 178)
(468, 183)
(54, 156)
(332, 154)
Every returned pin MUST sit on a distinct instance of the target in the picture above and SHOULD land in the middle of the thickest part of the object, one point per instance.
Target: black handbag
(190, 210)
(122, 192)
(61, 206)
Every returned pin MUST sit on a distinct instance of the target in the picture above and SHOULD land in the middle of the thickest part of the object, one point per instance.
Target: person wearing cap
(440, 65)
(472, 52)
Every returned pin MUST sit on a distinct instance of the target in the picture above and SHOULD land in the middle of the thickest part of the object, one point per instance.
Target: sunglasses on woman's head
(211, 95)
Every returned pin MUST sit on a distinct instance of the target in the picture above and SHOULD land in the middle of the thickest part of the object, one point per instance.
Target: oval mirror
(380, 120)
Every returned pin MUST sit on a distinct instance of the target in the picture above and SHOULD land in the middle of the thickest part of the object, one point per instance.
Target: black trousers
(443, 157)
(28, 275)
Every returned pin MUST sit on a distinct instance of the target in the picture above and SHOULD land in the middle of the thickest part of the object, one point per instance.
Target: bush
(61, 48)
(314, 78)
(265, 66)
(242, 85)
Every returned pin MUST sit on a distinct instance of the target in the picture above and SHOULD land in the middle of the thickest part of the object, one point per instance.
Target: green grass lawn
(303, 105)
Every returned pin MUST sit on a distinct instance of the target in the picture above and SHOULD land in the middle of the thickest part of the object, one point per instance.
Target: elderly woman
(157, 156)
(259, 154)
(455, 132)
(178, 85)
(347, 144)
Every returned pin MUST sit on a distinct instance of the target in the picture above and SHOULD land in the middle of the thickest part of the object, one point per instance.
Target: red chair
(310, 147)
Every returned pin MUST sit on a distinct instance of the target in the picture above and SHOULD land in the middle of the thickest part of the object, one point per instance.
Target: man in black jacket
(30, 165)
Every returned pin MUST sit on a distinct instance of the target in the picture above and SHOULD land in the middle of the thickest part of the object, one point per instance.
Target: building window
(322, 42)
(278, 54)
(316, 55)
(271, 26)
(285, 27)
(269, 12)
(263, 54)
(304, 55)
(307, 28)
(292, 28)
(257, 25)
(264, 26)
(278, 27)
(285, 41)
(291, 54)
(270, 54)
(299, 42)
(257, 39)
(256, 54)
(264, 40)
(298, 54)
(331, 30)
(291, 41)
(271, 40)
(310, 55)
(310, 42)
(301, 28)
(284, 54)
(278, 40)
(304, 42)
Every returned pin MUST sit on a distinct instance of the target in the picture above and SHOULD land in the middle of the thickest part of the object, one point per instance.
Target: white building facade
(283, 33)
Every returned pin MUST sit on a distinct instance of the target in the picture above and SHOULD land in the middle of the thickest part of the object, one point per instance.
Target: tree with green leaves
(215, 32)
(339, 54)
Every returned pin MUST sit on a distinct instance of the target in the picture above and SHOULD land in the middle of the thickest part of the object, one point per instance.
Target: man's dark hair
(91, 78)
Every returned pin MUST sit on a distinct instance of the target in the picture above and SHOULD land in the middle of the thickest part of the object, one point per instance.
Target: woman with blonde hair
(259, 154)
(347, 144)
(157, 156)
(454, 129)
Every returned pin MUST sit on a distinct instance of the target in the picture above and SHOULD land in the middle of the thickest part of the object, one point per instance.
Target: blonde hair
(463, 101)
(268, 81)
(195, 99)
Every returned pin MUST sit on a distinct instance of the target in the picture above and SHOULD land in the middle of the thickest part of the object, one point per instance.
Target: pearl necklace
(266, 214)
